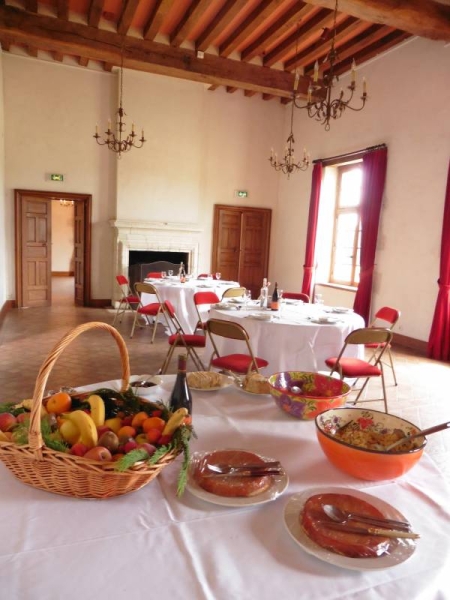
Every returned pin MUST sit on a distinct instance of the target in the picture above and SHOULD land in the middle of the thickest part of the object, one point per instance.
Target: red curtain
(308, 267)
(439, 341)
(374, 176)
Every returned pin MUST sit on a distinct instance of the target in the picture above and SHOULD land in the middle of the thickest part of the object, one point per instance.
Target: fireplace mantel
(157, 236)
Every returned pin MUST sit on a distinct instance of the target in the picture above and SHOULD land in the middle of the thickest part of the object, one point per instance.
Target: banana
(97, 409)
(175, 421)
(86, 425)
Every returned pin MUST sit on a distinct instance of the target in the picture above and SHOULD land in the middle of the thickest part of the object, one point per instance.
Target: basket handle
(35, 436)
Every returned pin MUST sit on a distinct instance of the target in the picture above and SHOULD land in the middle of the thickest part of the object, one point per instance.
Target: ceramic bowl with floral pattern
(304, 395)
(355, 440)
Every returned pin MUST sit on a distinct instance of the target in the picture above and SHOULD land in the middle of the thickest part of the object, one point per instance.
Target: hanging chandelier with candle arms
(288, 164)
(320, 104)
(120, 143)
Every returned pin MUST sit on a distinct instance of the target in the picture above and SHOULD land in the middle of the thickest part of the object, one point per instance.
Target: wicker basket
(62, 473)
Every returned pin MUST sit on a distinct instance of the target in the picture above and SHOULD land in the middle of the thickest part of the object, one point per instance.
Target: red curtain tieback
(308, 268)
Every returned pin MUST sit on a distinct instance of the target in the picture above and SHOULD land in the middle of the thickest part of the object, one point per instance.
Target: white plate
(226, 380)
(324, 320)
(341, 309)
(275, 490)
(224, 306)
(400, 553)
(260, 316)
(251, 393)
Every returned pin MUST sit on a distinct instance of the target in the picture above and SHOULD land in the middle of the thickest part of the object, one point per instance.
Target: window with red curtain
(439, 340)
(308, 267)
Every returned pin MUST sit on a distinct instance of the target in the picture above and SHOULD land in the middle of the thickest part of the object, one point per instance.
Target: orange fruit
(59, 403)
(138, 419)
(153, 423)
(126, 431)
(153, 435)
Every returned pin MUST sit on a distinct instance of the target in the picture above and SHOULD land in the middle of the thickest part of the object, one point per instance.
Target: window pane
(350, 191)
(346, 224)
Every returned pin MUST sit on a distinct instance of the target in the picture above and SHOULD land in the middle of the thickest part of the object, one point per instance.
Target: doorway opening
(34, 247)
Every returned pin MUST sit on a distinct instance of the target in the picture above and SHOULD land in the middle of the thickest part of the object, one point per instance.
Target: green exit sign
(241, 193)
(57, 177)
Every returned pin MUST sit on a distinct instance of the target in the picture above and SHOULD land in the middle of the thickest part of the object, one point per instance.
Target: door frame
(86, 200)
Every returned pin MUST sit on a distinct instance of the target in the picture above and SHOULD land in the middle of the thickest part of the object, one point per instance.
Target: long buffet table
(152, 544)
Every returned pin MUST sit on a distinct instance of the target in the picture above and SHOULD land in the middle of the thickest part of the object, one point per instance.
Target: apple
(127, 420)
(164, 439)
(23, 417)
(7, 421)
(109, 440)
(149, 448)
(79, 449)
(98, 453)
(130, 445)
(102, 429)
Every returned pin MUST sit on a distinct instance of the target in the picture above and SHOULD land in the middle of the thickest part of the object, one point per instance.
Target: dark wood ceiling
(249, 45)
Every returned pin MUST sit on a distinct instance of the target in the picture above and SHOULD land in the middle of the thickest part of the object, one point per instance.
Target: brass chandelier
(288, 164)
(120, 143)
(320, 104)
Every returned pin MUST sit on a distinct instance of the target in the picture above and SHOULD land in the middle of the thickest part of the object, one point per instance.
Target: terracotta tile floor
(28, 335)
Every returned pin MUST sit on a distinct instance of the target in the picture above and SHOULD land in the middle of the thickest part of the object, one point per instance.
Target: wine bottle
(275, 305)
(181, 396)
(182, 273)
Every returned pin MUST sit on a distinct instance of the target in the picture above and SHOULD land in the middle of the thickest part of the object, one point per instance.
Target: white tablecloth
(151, 544)
(293, 341)
(182, 296)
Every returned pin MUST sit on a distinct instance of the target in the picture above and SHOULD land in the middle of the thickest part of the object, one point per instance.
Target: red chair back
(296, 296)
(121, 280)
(388, 314)
(154, 275)
(206, 298)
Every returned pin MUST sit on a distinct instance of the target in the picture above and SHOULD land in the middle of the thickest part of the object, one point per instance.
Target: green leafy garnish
(51, 439)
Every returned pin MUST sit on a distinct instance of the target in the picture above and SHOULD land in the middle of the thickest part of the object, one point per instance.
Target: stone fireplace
(161, 237)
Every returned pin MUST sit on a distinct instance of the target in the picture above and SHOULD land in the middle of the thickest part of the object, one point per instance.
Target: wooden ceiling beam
(58, 56)
(424, 18)
(31, 6)
(95, 12)
(254, 20)
(291, 17)
(126, 18)
(156, 18)
(322, 19)
(223, 18)
(188, 20)
(83, 61)
(62, 9)
(142, 55)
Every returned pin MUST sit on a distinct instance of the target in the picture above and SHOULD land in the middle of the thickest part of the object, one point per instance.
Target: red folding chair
(384, 317)
(237, 363)
(150, 311)
(355, 368)
(154, 275)
(127, 300)
(296, 296)
(203, 302)
(180, 339)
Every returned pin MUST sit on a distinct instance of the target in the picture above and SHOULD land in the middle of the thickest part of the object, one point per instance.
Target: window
(346, 246)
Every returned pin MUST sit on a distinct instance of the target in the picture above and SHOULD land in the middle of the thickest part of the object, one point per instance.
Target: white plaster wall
(62, 238)
(409, 110)
(3, 258)
(50, 114)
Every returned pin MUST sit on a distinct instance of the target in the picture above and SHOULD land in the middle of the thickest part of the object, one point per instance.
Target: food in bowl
(318, 527)
(304, 394)
(255, 383)
(348, 451)
(232, 486)
(375, 440)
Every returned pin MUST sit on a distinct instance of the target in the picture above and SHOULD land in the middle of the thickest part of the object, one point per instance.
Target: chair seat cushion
(131, 299)
(238, 363)
(197, 341)
(150, 309)
(354, 367)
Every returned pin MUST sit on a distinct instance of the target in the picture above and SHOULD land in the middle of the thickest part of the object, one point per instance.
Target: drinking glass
(318, 299)
(163, 274)
(248, 297)
(218, 276)
(170, 273)
(280, 302)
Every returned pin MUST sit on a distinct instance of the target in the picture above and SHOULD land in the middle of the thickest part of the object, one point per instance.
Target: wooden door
(33, 239)
(33, 247)
(241, 238)
(79, 253)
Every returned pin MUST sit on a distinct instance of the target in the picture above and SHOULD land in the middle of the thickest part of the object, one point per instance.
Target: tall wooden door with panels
(241, 241)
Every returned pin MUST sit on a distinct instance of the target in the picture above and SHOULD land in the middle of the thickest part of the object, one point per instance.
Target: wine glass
(218, 276)
(280, 300)
(170, 272)
(163, 274)
(248, 297)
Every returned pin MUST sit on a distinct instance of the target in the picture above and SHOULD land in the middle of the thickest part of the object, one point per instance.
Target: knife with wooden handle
(393, 533)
